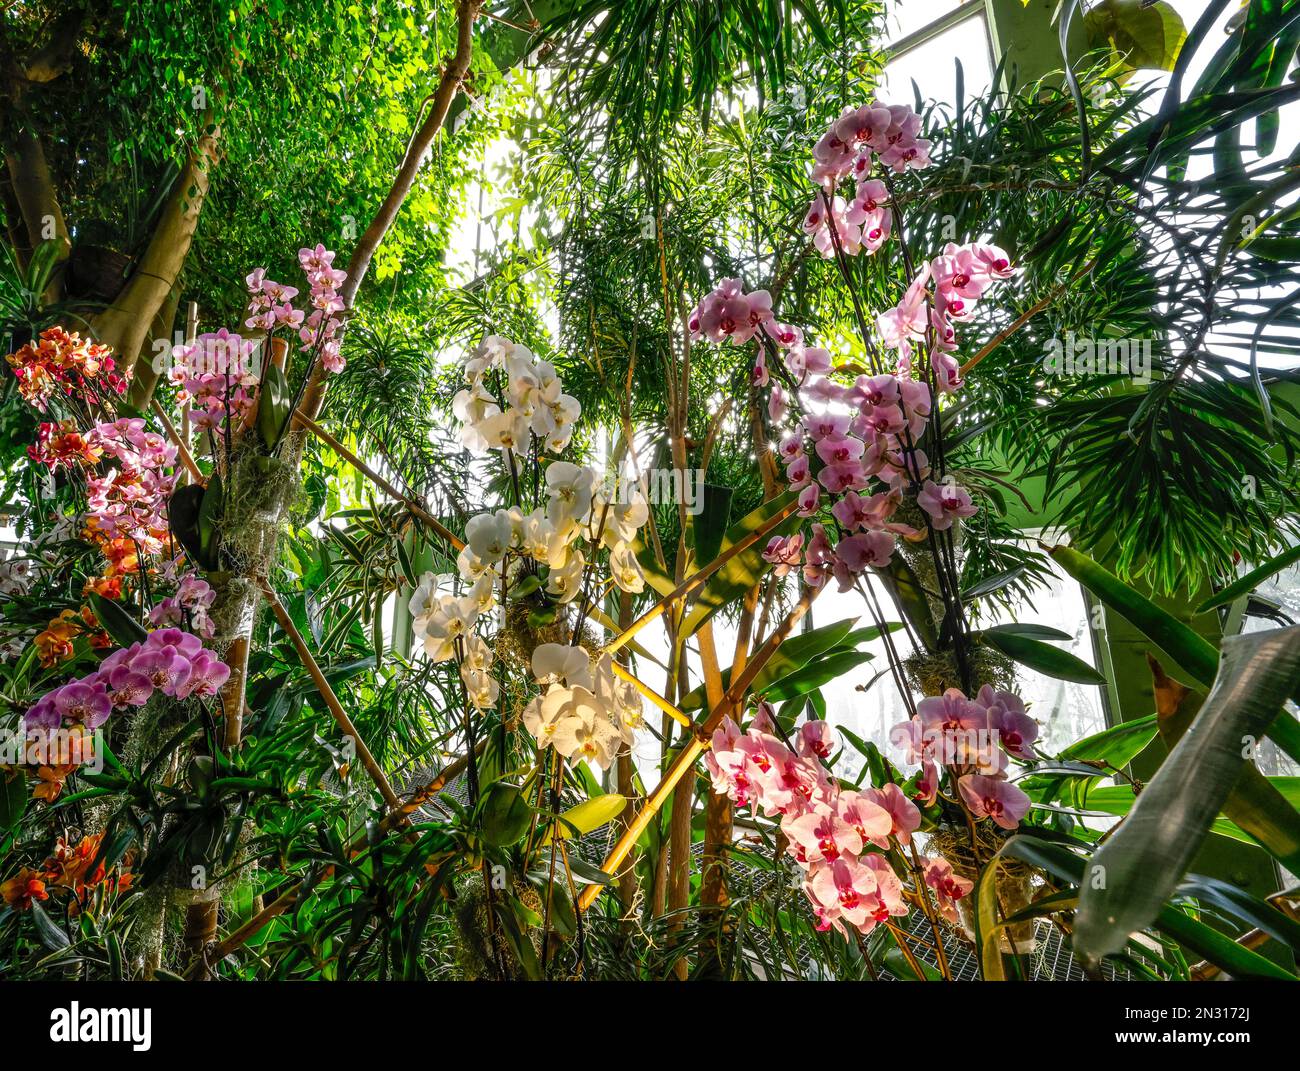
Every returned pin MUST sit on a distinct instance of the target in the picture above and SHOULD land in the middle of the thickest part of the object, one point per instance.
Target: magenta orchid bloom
(785, 552)
(927, 784)
(165, 667)
(207, 674)
(128, 686)
(950, 711)
(808, 500)
(85, 702)
(855, 554)
(992, 797)
(1014, 729)
(945, 503)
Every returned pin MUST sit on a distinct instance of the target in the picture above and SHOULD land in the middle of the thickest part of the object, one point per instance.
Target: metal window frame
(927, 33)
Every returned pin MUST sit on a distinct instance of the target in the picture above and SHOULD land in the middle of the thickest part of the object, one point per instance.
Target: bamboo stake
(187, 459)
(696, 579)
(191, 333)
(331, 700)
(655, 698)
(365, 470)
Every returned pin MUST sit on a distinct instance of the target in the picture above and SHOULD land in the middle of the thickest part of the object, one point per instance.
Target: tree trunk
(125, 324)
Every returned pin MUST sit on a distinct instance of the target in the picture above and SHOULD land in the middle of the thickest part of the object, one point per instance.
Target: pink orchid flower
(904, 815)
(1014, 729)
(820, 836)
(992, 797)
(948, 887)
(945, 503)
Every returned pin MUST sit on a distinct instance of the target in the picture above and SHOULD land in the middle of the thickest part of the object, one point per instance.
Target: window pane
(932, 66)
(906, 18)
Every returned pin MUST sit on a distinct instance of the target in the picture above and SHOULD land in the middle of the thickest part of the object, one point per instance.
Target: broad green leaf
(654, 576)
(909, 596)
(505, 814)
(816, 673)
(13, 798)
(589, 815)
(790, 657)
(798, 651)
(115, 620)
(1180, 642)
(1193, 652)
(1118, 746)
(183, 510)
(1238, 902)
(710, 527)
(273, 401)
(1034, 632)
(52, 936)
(743, 571)
(1042, 657)
(1144, 859)
(1202, 939)
(1143, 35)
(210, 511)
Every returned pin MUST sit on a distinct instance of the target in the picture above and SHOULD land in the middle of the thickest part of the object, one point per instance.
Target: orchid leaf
(1143, 860)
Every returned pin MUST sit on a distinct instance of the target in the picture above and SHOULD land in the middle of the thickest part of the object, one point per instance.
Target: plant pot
(1015, 890)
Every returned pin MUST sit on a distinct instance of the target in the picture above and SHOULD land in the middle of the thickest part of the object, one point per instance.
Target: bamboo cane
(331, 700)
(187, 459)
(655, 698)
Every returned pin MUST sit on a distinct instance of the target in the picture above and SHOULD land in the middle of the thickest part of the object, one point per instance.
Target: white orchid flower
(451, 620)
(480, 687)
(543, 715)
(470, 566)
(484, 591)
(535, 534)
(582, 729)
(548, 383)
(478, 655)
(569, 489)
(627, 518)
(557, 661)
(566, 582)
(542, 421)
(626, 570)
(505, 431)
(474, 404)
(558, 440)
(425, 598)
(489, 536)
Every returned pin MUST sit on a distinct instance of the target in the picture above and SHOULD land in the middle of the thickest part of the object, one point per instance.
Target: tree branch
(448, 86)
